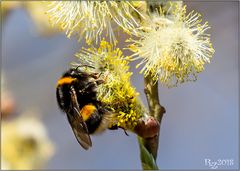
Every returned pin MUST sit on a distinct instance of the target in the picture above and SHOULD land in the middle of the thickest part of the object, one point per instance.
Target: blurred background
(202, 118)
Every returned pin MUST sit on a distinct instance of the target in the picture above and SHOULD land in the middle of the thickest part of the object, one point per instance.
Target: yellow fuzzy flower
(93, 19)
(116, 92)
(173, 48)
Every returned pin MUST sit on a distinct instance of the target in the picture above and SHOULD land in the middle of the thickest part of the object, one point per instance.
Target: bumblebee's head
(76, 73)
(73, 72)
(68, 77)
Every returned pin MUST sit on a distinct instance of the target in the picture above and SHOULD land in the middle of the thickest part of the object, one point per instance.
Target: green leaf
(148, 162)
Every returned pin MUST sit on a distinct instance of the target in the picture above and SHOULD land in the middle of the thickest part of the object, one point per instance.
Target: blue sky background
(201, 121)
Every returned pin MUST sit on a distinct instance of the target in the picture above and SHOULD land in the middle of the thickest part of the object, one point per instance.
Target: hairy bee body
(79, 81)
(77, 96)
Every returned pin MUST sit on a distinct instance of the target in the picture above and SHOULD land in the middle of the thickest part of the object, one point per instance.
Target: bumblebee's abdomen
(92, 117)
(87, 111)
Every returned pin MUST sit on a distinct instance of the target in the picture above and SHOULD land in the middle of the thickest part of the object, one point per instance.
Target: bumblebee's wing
(79, 127)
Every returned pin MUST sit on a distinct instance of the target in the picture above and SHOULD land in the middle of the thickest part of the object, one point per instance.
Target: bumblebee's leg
(124, 131)
(98, 82)
(115, 127)
(95, 75)
(101, 81)
(90, 84)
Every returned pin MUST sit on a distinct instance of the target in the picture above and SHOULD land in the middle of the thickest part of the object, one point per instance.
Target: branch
(148, 129)
(155, 110)
(151, 91)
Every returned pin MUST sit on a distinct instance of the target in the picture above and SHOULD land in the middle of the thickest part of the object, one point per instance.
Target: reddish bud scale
(147, 128)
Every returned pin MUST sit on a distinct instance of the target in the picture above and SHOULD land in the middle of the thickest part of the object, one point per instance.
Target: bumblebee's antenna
(85, 65)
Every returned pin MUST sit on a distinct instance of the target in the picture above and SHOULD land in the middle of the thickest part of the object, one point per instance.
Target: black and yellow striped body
(85, 87)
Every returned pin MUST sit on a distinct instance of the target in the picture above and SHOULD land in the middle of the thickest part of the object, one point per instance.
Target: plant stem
(155, 110)
(149, 146)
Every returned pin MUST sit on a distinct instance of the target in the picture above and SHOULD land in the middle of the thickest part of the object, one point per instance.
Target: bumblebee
(77, 96)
